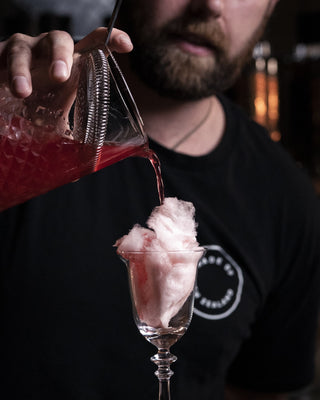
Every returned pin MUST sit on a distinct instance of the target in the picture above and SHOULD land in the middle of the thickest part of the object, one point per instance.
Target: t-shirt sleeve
(279, 355)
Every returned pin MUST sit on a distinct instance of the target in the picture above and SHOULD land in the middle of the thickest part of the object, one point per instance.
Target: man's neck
(198, 125)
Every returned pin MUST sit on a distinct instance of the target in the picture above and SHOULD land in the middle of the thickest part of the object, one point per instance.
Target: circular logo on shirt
(219, 285)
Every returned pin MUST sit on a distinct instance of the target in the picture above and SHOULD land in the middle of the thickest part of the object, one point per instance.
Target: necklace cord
(194, 129)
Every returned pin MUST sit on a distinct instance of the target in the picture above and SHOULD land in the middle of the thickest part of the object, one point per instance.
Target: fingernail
(21, 84)
(124, 39)
(59, 70)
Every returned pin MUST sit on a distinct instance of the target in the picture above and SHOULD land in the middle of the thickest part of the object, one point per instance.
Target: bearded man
(67, 327)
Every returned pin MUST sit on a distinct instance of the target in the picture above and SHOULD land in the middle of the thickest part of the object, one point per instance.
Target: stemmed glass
(162, 294)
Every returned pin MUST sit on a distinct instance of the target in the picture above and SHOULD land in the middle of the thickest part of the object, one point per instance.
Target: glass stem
(164, 390)
(163, 359)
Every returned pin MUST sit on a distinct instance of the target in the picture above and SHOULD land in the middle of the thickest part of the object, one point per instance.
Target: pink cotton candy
(162, 280)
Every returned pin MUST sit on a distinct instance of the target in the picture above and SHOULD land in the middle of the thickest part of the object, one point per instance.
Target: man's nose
(216, 7)
(212, 8)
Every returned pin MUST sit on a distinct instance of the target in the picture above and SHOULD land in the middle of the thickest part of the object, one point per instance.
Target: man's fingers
(18, 59)
(60, 47)
(52, 53)
(119, 41)
(21, 54)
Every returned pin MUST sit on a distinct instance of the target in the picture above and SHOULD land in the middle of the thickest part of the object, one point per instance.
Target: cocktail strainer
(105, 111)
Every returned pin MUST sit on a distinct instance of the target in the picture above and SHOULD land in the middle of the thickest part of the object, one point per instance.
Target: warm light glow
(275, 136)
(273, 100)
(266, 96)
(261, 108)
(260, 98)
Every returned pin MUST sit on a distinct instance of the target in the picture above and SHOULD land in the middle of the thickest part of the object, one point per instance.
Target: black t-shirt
(67, 329)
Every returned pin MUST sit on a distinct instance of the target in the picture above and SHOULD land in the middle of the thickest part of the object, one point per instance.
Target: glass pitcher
(61, 133)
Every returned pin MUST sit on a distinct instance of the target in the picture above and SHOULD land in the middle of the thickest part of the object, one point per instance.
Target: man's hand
(52, 52)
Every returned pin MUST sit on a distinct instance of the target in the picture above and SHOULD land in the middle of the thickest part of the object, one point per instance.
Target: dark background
(294, 37)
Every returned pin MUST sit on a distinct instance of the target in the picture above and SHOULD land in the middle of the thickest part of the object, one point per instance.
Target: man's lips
(194, 44)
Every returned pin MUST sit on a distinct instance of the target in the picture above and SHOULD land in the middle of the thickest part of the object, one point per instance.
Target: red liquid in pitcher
(33, 164)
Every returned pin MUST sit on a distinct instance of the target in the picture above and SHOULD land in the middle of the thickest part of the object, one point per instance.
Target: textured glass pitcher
(65, 131)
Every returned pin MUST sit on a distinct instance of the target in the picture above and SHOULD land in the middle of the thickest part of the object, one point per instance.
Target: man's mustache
(207, 33)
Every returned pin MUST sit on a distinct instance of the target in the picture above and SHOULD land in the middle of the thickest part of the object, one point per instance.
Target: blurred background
(280, 88)
(78, 17)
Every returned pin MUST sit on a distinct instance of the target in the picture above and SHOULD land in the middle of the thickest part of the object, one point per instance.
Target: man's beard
(177, 74)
